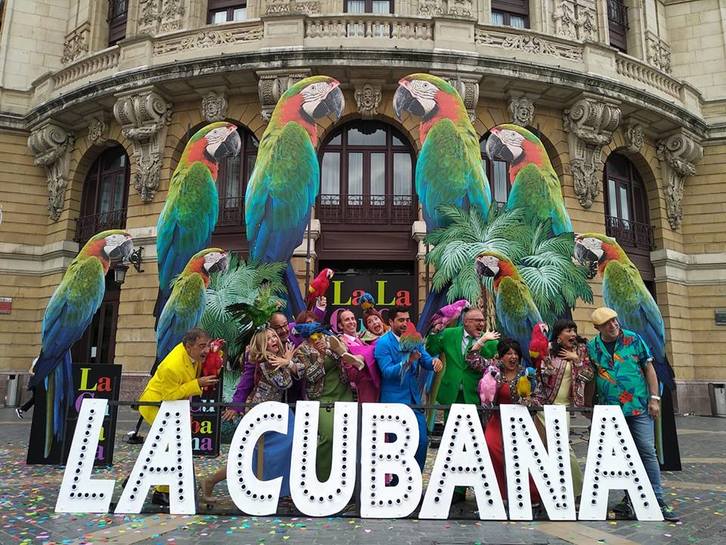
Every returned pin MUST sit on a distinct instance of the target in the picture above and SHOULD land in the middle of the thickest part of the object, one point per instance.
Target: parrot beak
(218, 266)
(119, 249)
(497, 150)
(584, 255)
(230, 146)
(403, 101)
(332, 105)
(482, 269)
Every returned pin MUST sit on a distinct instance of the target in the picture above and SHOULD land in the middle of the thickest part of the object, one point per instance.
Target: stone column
(144, 116)
(590, 122)
(51, 145)
(273, 83)
(677, 154)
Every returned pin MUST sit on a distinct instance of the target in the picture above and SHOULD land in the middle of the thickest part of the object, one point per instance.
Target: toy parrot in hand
(185, 306)
(448, 314)
(517, 314)
(535, 187)
(488, 386)
(319, 286)
(190, 212)
(538, 344)
(526, 383)
(67, 316)
(411, 341)
(286, 180)
(448, 169)
(214, 361)
(623, 291)
(367, 301)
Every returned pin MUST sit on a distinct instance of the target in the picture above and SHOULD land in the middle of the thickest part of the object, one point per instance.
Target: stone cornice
(319, 58)
(689, 269)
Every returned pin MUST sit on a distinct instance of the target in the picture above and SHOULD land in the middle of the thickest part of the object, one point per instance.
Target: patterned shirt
(620, 379)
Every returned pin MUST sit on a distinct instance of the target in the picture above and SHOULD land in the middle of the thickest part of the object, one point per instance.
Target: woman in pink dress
(367, 381)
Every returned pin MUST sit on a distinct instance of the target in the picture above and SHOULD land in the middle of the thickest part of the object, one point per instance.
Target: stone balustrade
(92, 67)
(369, 26)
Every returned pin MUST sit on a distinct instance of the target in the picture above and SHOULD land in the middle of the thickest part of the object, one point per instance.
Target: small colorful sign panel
(207, 422)
(166, 459)
(6, 305)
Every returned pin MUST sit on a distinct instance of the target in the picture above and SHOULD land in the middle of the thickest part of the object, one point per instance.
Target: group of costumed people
(524, 258)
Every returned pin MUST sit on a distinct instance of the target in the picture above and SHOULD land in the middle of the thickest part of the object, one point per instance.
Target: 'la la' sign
(462, 460)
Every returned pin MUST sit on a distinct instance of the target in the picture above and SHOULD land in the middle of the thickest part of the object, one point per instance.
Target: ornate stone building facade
(97, 98)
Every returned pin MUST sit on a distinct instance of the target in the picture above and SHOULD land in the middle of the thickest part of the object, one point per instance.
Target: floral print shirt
(620, 378)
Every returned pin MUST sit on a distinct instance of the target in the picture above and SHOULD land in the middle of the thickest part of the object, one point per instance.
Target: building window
(366, 171)
(497, 173)
(368, 6)
(105, 195)
(514, 13)
(618, 24)
(117, 16)
(626, 206)
(232, 178)
(225, 11)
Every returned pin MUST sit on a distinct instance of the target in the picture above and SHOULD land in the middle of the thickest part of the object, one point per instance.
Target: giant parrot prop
(535, 187)
(623, 290)
(449, 170)
(67, 316)
(190, 212)
(516, 312)
(185, 306)
(285, 182)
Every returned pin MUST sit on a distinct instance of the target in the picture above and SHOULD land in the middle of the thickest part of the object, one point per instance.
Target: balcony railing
(87, 226)
(361, 209)
(630, 234)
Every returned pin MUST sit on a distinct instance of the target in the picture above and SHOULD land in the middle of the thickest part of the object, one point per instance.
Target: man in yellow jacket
(177, 377)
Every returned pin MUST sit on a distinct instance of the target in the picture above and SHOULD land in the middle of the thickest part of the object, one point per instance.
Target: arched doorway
(232, 177)
(104, 204)
(366, 209)
(626, 214)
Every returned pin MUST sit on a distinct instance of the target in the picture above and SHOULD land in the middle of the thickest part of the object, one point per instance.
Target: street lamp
(120, 268)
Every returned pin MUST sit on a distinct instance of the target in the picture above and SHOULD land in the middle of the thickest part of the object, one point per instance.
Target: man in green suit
(460, 381)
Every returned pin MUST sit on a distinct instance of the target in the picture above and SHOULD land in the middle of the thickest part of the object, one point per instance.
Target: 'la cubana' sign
(462, 460)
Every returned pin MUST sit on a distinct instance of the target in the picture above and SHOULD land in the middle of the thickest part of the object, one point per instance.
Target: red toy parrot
(538, 344)
(319, 286)
(213, 362)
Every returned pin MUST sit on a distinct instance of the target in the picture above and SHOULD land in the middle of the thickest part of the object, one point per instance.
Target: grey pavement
(28, 494)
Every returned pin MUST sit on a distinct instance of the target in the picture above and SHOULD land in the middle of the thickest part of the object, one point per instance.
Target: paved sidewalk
(28, 494)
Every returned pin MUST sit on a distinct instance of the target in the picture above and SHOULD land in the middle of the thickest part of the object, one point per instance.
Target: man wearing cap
(626, 377)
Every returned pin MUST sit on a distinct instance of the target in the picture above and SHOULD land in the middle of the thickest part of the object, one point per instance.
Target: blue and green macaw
(286, 180)
(67, 316)
(517, 314)
(624, 291)
(535, 187)
(185, 306)
(190, 212)
(449, 169)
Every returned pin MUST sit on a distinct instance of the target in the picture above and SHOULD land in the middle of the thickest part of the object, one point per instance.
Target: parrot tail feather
(295, 302)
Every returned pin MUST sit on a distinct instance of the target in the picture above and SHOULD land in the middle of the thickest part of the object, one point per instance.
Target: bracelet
(655, 397)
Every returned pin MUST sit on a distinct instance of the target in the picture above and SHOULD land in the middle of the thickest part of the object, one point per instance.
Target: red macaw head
(517, 146)
(496, 266)
(308, 100)
(429, 97)
(595, 250)
(327, 273)
(109, 246)
(212, 143)
(206, 262)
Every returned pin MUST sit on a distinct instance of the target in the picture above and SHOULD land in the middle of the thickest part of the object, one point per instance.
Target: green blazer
(447, 344)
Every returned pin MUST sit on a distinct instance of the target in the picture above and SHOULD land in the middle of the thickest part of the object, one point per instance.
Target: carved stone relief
(292, 7)
(522, 110)
(97, 131)
(536, 45)
(76, 43)
(677, 154)
(452, 8)
(634, 136)
(272, 84)
(590, 123)
(658, 52)
(575, 19)
(214, 106)
(144, 116)
(161, 15)
(368, 98)
(51, 146)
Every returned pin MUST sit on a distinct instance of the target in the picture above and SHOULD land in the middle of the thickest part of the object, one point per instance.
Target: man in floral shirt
(626, 377)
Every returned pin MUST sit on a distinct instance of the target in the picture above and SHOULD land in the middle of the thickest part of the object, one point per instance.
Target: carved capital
(97, 131)
(368, 98)
(522, 110)
(677, 154)
(51, 146)
(144, 116)
(590, 123)
(273, 83)
(634, 136)
(468, 88)
(214, 106)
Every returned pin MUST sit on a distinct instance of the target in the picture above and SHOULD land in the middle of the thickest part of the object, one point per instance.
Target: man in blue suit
(397, 385)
